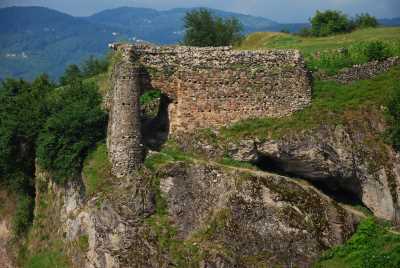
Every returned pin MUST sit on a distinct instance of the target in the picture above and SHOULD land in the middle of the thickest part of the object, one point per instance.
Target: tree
(329, 22)
(93, 66)
(76, 123)
(364, 20)
(71, 74)
(205, 29)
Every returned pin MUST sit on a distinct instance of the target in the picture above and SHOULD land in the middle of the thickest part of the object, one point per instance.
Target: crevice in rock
(342, 190)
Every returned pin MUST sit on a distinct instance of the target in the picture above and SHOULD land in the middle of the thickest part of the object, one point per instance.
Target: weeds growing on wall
(332, 61)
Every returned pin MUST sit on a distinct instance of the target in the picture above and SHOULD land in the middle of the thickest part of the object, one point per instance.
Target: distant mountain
(34, 40)
(390, 22)
(166, 27)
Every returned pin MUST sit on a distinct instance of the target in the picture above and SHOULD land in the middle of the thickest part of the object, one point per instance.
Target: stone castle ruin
(207, 87)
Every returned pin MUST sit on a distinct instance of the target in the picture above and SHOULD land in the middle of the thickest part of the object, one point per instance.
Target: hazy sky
(278, 10)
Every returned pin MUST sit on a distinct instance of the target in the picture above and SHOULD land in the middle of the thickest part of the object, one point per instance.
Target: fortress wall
(212, 87)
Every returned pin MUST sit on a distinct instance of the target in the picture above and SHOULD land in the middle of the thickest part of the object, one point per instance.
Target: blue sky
(278, 10)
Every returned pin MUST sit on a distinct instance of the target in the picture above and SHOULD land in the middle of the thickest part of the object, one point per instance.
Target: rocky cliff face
(348, 157)
(195, 215)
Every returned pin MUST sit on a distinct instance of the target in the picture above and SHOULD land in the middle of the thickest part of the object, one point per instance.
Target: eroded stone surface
(262, 215)
(342, 157)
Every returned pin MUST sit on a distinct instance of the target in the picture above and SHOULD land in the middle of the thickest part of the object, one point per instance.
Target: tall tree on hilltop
(205, 29)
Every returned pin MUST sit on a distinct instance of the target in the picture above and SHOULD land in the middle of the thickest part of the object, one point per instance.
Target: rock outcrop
(229, 217)
(249, 218)
(350, 158)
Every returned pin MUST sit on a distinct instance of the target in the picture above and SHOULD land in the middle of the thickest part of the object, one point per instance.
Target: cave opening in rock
(343, 190)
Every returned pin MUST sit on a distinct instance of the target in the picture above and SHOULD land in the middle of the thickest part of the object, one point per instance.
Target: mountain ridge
(36, 40)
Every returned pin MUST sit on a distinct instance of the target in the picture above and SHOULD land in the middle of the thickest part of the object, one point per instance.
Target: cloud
(279, 10)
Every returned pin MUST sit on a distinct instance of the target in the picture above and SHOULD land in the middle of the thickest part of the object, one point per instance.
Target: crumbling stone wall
(212, 87)
(361, 71)
(124, 140)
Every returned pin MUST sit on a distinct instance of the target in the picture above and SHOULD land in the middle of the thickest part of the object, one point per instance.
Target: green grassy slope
(323, 54)
(313, 44)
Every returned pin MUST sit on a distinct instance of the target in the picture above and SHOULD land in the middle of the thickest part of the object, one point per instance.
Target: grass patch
(321, 53)
(83, 243)
(330, 102)
(227, 161)
(169, 153)
(373, 245)
(97, 170)
(47, 259)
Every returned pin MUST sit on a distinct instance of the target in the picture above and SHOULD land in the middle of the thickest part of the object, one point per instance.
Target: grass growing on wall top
(330, 102)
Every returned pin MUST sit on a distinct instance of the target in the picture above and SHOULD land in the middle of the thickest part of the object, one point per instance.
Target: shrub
(329, 22)
(205, 29)
(76, 124)
(364, 20)
(23, 215)
(376, 50)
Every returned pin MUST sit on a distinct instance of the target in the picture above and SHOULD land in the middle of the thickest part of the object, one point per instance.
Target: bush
(205, 29)
(331, 61)
(364, 20)
(329, 22)
(23, 215)
(76, 124)
(376, 51)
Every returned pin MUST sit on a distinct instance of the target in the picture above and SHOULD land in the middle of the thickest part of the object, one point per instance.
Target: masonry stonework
(213, 87)
(124, 139)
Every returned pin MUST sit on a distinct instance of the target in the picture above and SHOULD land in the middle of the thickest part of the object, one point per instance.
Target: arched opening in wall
(154, 115)
(342, 190)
